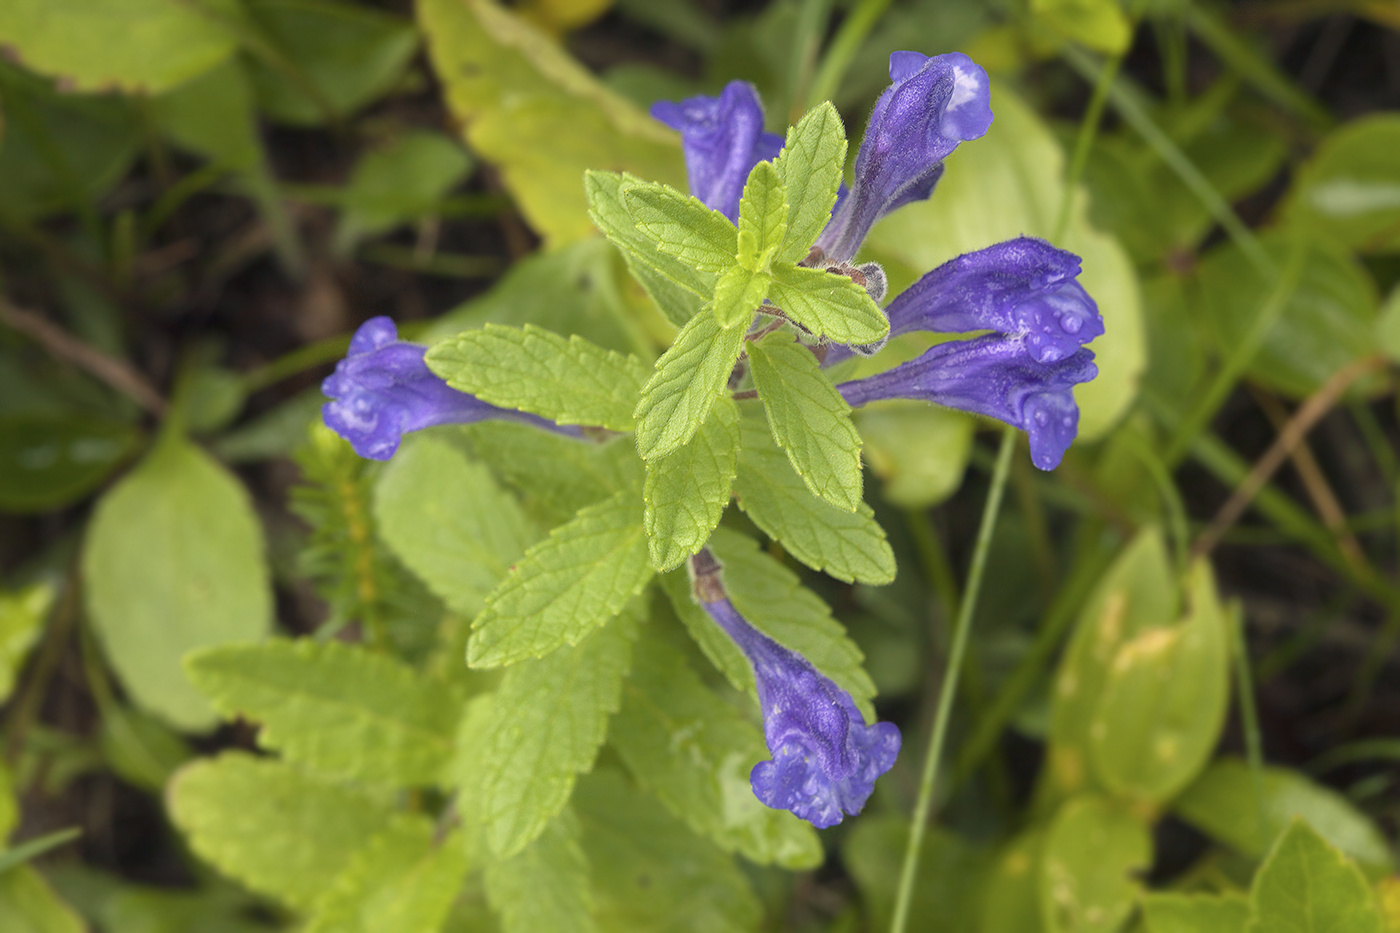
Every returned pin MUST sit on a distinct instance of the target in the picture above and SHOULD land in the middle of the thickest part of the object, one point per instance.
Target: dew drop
(1071, 324)
(1041, 418)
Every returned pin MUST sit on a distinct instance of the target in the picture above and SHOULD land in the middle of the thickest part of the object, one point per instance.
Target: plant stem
(966, 609)
(1088, 129)
(843, 48)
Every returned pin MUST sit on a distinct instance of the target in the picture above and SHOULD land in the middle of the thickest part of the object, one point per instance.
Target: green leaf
(688, 489)
(545, 886)
(551, 719)
(1011, 184)
(403, 881)
(1350, 189)
(1137, 594)
(22, 615)
(809, 419)
(47, 463)
(31, 849)
(1327, 322)
(538, 115)
(810, 166)
(1229, 801)
(694, 751)
(650, 873)
(340, 710)
(28, 905)
(282, 833)
(1307, 886)
(678, 290)
(1093, 850)
(680, 225)
(1388, 326)
(947, 885)
(173, 561)
(763, 217)
(919, 451)
(1099, 24)
(213, 115)
(163, 42)
(849, 546)
(140, 749)
(827, 304)
(342, 56)
(565, 586)
(1164, 701)
(569, 381)
(738, 293)
(399, 182)
(688, 378)
(1011, 892)
(448, 521)
(1194, 913)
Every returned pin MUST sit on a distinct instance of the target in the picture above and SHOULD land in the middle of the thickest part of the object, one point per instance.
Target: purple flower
(723, 140)
(1026, 291)
(825, 758)
(383, 389)
(931, 105)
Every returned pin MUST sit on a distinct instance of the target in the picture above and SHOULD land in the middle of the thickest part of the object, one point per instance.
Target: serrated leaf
(809, 418)
(810, 164)
(688, 378)
(545, 886)
(1163, 704)
(1307, 886)
(1229, 800)
(694, 751)
(849, 546)
(827, 304)
(681, 226)
(677, 289)
(340, 710)
(173, 561)
(403, 880)
(448, 521)
(650, 872)
(566, 586)
(687, 490)
(567, 380)
(551, 716)
(738, 293)
(763, 217)
(1194, 913)
(281, 832)
(1094, 849)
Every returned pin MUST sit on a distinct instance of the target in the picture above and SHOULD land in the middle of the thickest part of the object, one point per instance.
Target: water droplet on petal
(1041, 418)
(1071, 324)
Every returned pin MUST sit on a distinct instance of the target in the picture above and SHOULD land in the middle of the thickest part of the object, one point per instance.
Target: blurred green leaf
(1327, 322)
(687, 490)
(1094, 851)
(1350, 188)
(1008, 184)
(403, 881)
(948, 886)
(1228, 802)
(1307, 886)
(650, 872)
(209, 398)
(545, 886)
(694, 751)
(336, 709)
(173, 561)
(9, 805)
(689, 377)
(281, 832)
(275, 433)
(1099, 24)
(213, 116)
(140, 749)
(31, 849)
(129, 45)
(28, 905)
(22, 616)
(333, 55)
(1011, 892)
(1164, 701)
(539, 115)
(48, 463)
(400, 182)
(1388, 326)
(1194, 913)
(918, 450)
(448, 521)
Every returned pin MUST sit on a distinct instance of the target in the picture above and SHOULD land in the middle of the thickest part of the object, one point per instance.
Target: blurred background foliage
(200, 200)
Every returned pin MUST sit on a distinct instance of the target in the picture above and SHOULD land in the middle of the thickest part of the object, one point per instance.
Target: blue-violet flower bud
(723, 140)
(383, 389)
(825, 758)
(931, 105)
